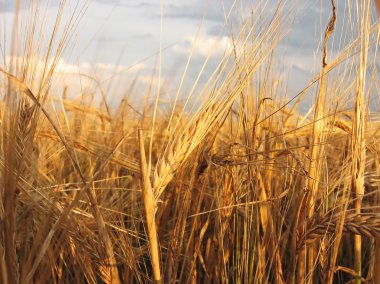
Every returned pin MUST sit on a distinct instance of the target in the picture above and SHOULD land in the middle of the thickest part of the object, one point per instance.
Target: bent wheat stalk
(318, 137)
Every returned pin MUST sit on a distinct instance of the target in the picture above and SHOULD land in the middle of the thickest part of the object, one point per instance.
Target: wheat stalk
(358, 142)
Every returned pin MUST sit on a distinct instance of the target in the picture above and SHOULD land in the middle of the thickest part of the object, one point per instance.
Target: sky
(117, 40)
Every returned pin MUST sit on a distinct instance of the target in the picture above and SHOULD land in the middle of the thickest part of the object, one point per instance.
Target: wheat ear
(150, 210)
(358, 224)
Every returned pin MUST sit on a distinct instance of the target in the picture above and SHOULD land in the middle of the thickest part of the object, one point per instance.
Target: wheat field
(229, 183)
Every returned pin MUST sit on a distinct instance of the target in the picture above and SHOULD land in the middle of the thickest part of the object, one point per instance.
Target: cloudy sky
(118, 39)
(129, 31)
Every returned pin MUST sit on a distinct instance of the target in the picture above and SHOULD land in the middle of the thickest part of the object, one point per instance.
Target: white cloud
(84, 77)
(205, 46)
